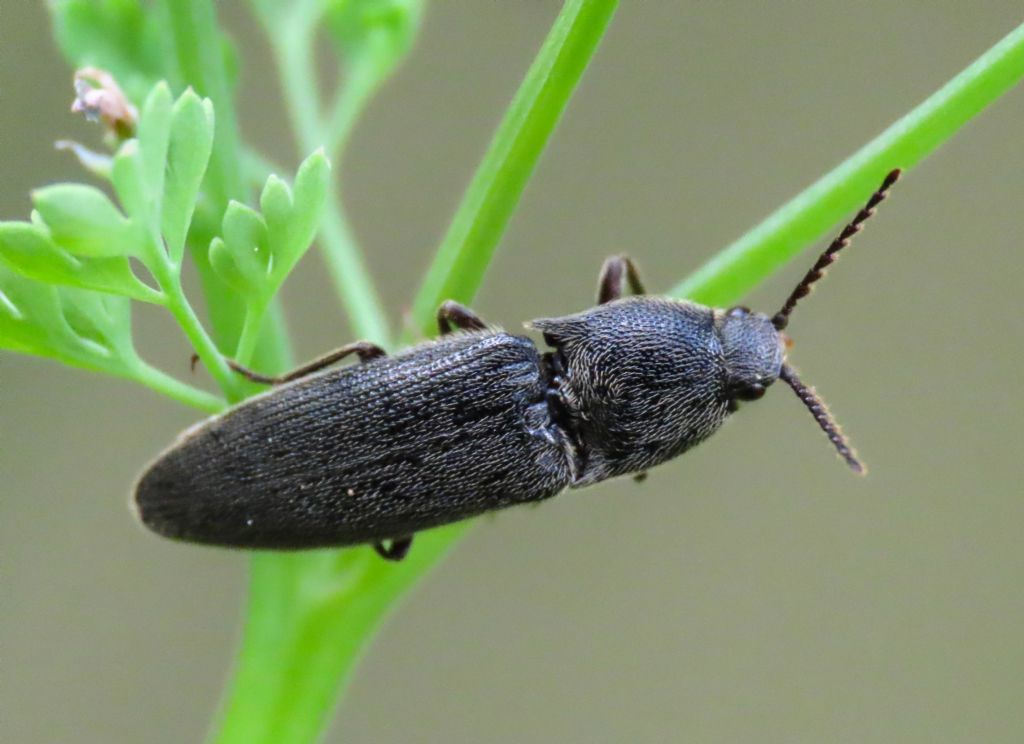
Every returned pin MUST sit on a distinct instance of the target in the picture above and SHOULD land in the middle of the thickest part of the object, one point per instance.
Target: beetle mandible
(474, 421)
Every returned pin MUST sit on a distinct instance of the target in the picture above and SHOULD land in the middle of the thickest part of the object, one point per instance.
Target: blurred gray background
(752, 590)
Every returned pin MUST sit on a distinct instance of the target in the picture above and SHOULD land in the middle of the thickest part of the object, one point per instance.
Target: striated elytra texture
(445, 431)
(449, 429)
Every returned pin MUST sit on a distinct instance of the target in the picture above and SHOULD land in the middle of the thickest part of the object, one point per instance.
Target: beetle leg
(396, 551)
(615, 273)
(452, 313)
(363, 349)
(640, 477)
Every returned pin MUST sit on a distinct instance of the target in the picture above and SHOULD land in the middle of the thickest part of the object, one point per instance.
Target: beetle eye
(739, 311)
(751, 392)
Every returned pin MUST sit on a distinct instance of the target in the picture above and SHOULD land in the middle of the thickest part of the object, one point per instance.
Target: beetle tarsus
(363, 349)
(616, 273)
(396, 550)
(452, 313)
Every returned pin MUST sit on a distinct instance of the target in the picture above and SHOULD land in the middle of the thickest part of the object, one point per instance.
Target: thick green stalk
(467, 248)
(734, 271)
(311, 616)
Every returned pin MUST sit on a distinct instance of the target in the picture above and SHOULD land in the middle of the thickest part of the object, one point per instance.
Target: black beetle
(474, 421)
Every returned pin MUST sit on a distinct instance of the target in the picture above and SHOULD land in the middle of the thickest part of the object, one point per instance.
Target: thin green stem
(167, 274)
(293, 51)
(756, 255)
(361, 80)
(179, 307)
(466, 251)
(173, 388)
(351, 276)
(250, 334)
(293, 45)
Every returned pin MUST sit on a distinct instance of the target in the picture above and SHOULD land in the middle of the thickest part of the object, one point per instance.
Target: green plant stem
(348, 271)
(250, 335)
(293, 46)
(361, 80)
(205, 348)
(756, 255)
(182, 392)
(468, 246)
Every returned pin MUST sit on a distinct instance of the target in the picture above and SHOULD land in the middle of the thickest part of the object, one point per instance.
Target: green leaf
(32, 321)
(28, 249)
(245, 233)
(101, 318)
(291, 219)
(191, 143)
(126, 177)
(223, 262)
(84, 221)
(276, 206)
(83, 329)
(308, 199)
(257, 252)
(120, 36)
(154, 137)
(242, 257)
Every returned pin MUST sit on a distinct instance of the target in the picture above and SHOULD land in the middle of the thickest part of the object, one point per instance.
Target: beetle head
(755, 345)
(753, 350)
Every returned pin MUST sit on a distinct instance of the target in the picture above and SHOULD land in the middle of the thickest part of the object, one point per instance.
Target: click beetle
(475, 421)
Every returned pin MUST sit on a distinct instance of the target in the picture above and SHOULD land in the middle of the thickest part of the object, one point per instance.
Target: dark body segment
(642, 380)
(444, 431)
